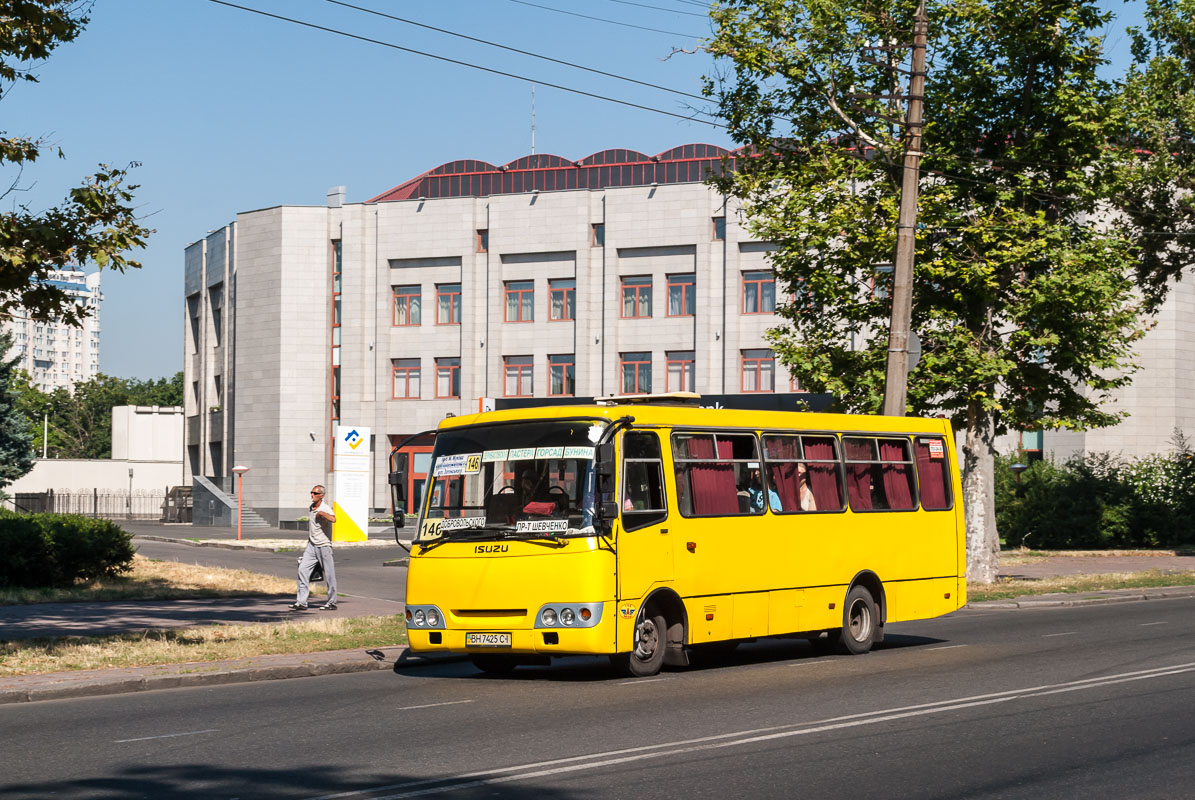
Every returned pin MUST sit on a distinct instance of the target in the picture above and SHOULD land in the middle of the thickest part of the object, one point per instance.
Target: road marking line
(638, 681)
(165, 736)
(947, 647)
(1147, 624)
(433, 705)
(500, 775)
(1068, 633)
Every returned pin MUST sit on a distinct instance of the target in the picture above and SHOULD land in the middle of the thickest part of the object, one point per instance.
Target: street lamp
(1017, 469)
(240, 473)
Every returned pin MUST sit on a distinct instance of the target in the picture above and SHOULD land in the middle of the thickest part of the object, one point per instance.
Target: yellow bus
(647, 530)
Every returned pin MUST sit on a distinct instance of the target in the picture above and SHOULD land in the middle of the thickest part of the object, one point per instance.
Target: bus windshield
(517, 480)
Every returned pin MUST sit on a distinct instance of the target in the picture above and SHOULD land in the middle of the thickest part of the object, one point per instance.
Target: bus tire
(859, 623)
(647, 656)
(493, 663)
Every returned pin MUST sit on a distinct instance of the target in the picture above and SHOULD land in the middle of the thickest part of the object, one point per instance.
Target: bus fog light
(433, 618)
(567, 617)
(420, 621)
(549, 616)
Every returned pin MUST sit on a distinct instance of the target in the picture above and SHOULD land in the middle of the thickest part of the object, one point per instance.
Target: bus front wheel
(647, 656)
(859, 623)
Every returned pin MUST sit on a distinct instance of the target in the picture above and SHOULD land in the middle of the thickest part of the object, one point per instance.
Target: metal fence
(108, 503)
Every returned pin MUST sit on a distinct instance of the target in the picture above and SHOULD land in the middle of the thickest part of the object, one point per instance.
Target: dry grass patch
(1005, 588)
(1026, 556)
(161, 580)
(198, 645)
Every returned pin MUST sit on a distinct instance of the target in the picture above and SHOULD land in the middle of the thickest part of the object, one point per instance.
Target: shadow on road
(311, 781)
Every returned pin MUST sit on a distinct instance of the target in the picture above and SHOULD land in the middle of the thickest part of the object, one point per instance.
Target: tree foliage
(80, 422)
(96, 223)
(16, 436)
(1023, 298)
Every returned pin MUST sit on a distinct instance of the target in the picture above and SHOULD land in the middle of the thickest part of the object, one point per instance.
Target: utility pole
(896, 389)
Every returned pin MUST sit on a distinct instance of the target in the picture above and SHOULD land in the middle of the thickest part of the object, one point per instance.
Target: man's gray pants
(311, 556)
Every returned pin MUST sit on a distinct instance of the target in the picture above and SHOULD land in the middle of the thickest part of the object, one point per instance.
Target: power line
(512, 49)
(460, 63)
(658, 8)
(602, 19)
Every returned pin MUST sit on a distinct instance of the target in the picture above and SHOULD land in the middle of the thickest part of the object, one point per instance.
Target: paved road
(1092, 702)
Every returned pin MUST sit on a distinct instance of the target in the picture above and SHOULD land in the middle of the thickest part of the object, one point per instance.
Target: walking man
(318, 551)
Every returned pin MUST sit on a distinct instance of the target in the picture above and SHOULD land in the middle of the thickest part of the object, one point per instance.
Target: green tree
(96, 223)
(16, 435)
(1023, 299)
(80, 419)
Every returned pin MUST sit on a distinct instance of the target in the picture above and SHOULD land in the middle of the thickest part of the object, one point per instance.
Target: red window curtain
(784, 476)
(714, 491)
(897, 478)
(932, 475)
(823, 478)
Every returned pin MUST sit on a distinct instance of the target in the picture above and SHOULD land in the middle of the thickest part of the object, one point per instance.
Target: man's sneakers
(297, 606)
(328, 607)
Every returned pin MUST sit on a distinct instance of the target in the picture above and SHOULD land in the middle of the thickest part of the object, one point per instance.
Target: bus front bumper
(598, 639)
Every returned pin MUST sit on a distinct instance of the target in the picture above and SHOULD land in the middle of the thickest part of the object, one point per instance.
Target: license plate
(487, 640)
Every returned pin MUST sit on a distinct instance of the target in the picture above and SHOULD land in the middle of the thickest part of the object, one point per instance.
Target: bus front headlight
(433, 618)
(567, 616)
(420, 618)
(549, 617)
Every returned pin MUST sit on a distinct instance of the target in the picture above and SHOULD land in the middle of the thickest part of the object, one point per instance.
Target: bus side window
(643, 500)
(933, 474)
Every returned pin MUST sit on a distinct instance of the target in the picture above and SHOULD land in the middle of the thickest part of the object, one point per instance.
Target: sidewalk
(67, 619)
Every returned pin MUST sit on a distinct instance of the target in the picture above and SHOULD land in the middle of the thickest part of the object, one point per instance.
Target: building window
(448, 377)
(518, 376)
(636, 373)
(483, 240)
(680, 374)
(408, 302)
(562, 375)
(719, 228)
(881, 279)
(406, 378)
(337, 269)
(759, 292)
(216, 301)
(759, 371)
(448, 304)
(520, 301)
(682, 295)
(562, 297)
(636, 297)
(598, 239)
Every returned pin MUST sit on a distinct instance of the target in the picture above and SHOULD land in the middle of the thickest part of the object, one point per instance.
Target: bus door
(644, 544)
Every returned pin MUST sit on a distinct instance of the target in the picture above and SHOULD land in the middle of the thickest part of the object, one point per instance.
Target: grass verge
(1007, 588)
(151, 579)
(198, 645)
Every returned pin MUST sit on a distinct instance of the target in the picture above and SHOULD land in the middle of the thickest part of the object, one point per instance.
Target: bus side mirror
(604, 468)
(398, 489)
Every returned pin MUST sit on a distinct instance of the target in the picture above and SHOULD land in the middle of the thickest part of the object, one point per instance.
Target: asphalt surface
(368, 588)
(1090, 703)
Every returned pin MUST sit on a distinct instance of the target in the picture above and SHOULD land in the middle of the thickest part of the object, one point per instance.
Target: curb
(221, 545)
(97, 683)
(1081, 599)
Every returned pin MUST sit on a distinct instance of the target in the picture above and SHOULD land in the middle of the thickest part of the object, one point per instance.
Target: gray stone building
(541, 278)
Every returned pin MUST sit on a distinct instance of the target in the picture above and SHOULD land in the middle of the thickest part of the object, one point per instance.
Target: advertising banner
(351, 471)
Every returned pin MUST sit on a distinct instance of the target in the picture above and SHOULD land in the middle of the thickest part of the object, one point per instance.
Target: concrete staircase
(249, 517)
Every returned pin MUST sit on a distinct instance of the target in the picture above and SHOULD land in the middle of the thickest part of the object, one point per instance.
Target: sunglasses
(317, 493)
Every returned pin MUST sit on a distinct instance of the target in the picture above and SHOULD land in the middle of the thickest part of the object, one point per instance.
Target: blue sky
(229, 111)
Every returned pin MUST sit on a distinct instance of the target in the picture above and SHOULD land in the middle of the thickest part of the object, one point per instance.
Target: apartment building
(54, 354)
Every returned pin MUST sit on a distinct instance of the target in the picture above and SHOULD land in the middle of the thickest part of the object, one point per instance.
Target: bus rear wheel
(860, 623)
(494, 664)
(647, 656)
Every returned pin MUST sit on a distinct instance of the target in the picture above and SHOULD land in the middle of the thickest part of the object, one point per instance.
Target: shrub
(1098, 500)
(60, 549)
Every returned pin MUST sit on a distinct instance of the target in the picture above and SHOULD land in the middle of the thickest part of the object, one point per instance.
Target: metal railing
(145, 504)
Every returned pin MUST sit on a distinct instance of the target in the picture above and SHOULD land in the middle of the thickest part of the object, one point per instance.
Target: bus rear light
(946, 596)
